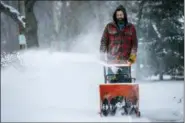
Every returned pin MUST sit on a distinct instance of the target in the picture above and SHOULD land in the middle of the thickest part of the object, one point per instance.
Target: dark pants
(123, 75)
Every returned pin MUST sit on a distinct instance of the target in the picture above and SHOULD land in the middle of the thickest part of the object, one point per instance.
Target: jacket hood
(120, 7)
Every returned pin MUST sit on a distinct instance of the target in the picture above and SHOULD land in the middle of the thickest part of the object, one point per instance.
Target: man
(119, 40)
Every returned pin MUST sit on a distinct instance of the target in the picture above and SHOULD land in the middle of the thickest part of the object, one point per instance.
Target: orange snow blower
(119, 94)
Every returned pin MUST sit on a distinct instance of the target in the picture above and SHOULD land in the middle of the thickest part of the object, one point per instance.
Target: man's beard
(120, 21)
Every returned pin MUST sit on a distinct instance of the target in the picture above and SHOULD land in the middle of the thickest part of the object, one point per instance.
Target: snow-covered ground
(53, 86)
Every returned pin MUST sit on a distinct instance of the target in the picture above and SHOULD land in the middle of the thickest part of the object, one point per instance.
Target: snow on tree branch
(13, 13)
(156, 30)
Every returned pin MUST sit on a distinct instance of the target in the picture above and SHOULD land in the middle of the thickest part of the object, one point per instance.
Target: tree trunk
(31, 30)
(31, 26)
(161, 76)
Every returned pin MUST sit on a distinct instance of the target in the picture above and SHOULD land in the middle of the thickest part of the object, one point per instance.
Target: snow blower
(119, 95)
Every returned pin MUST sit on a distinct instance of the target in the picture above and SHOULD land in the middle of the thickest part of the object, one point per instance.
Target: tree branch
(13, 13)
(156, 30)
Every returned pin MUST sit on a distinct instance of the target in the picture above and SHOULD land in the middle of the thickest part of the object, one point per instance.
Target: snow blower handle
(105, 76)
(103, 62)
(118, 65)
(112, 65)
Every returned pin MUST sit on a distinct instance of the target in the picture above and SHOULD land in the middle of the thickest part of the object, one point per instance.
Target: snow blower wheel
(105, 107)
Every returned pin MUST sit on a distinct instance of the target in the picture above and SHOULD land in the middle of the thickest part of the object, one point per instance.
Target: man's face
(119, 15)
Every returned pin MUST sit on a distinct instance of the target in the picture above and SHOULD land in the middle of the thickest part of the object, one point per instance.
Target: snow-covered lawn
(64, 87)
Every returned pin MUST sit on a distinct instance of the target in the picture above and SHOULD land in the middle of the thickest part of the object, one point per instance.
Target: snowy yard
(63, 87)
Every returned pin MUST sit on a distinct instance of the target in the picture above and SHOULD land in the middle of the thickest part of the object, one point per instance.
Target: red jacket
(119, 44)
